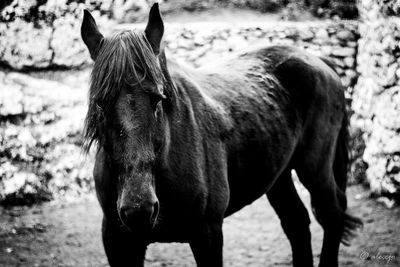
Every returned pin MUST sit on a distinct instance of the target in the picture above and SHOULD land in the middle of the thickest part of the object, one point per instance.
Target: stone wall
(198, 44)
(40, 129)
(41, 113)
(40, 126)
(377, 95)
(41, 34)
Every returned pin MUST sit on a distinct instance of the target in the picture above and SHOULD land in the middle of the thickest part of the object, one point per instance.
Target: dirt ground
(56, 234)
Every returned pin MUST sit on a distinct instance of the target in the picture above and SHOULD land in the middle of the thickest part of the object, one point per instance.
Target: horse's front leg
(207, 245)
(121, 246)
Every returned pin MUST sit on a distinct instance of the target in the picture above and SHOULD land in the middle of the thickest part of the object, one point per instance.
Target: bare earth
(57, 234)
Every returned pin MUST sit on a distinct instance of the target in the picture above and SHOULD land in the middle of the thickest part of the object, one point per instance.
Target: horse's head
(125, 114)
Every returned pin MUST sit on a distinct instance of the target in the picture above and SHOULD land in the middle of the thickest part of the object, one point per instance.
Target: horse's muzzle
(140, 217)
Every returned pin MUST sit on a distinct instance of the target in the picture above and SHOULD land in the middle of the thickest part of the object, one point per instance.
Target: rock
(349, 62)
(386, 59)
(350, 73)
(394, 165)
(66, 44)
(338, 62)
(10, 99)
(306, 35)
(351, 44)
(236, 43)
(343, 51)
(51, 115)
(25, 137)
(130, 11)
(389, 76)
(326, 50)
(17, 182)
(387, 109)
(42, 34)
(345, 35)
(322, 34)
(25, 44)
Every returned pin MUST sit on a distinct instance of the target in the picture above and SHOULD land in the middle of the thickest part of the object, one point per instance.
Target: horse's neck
(195, 104)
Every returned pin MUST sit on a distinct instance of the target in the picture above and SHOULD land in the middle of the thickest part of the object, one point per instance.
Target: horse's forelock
(125, 58)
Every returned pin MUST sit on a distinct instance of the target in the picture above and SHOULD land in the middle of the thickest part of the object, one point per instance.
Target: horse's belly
(253, 170)
(248, 188)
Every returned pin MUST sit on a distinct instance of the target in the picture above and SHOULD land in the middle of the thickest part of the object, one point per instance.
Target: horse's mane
(124, 59)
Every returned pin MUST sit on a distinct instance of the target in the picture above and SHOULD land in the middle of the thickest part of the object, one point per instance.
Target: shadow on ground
(57, 234)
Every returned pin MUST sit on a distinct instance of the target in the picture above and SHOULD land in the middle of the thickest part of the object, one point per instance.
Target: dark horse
(180, 149)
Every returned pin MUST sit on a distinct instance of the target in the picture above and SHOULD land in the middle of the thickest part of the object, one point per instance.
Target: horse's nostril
(143, 216)
(126, 214)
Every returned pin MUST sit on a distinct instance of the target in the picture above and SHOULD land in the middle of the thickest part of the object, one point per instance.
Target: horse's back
(305, 78)
(277, 89)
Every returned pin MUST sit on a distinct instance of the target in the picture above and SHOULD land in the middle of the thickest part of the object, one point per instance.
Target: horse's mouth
(139, 227)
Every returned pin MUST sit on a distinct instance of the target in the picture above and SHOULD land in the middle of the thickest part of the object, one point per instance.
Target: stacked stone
(41, 120)
(40, 129)
(41, 35)
(376, 100)
(200, 44)
(46, 34)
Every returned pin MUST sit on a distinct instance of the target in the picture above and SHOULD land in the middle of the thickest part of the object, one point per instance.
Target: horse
(180, 149)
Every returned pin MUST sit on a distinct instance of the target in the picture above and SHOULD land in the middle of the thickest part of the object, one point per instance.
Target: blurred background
(44, 72)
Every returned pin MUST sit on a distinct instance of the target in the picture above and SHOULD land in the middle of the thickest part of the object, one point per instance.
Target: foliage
(260, 5)
(390, 7)
(346, 9)
(377, 95)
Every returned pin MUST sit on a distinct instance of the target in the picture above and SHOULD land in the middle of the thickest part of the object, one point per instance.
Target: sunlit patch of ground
(57, 234)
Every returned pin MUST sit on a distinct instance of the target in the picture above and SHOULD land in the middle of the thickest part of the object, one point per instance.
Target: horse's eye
(155, 100)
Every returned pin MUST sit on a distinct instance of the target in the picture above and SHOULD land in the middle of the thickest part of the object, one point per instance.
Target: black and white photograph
(208, 133)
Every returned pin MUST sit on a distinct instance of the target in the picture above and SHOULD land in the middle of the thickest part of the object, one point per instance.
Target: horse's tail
(342, 156)
(340, 171)
(341, 163)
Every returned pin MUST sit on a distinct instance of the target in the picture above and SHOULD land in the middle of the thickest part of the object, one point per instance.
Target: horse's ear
(155, 29)
(91, 35)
